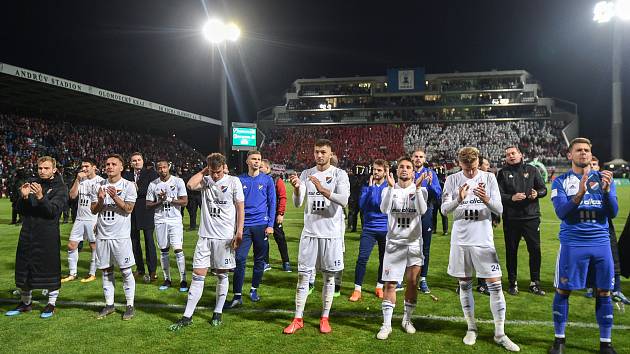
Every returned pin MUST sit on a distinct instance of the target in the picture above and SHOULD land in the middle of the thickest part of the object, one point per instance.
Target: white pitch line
(334, 313)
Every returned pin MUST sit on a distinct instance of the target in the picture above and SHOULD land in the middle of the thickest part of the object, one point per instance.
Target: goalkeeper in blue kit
(584, 200)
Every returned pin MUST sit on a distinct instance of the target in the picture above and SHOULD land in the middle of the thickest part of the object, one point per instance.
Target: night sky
(154, 49)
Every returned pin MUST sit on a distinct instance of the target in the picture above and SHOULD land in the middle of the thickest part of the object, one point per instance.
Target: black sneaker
(536, 290)
(557, 347)
(513, 289)
(216, 320)
(606, 348)
(165, 285)
(183, 286)
(21, 308)
(129, 313)
(181, 323)
(107, 310)
(48, 311)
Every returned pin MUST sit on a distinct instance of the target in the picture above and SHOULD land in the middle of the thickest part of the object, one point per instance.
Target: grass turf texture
(255, 329)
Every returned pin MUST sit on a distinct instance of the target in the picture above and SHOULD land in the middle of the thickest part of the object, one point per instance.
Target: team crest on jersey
(260, 187)
(224, 189)
(172, 187)
(526, 174)
(412, 197)
(593, 185)
(244, 187)
(119, 192)
(328, 179)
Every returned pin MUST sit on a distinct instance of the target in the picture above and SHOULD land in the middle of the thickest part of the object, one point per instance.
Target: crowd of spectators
(360, 144)
(24, 139)
(355, 144)
(540, 140)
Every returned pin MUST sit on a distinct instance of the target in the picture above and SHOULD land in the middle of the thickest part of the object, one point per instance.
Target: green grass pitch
(257, 327)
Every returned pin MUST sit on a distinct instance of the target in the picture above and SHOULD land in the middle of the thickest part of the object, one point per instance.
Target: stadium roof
(32, 91)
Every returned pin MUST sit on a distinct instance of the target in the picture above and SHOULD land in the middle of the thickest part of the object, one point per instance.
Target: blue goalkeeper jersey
(370, 206)
(260, 199)
(585, 224)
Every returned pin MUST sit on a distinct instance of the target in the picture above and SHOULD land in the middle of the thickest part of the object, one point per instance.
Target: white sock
(52, 297)
(312, 276)
(497, 306)
(408, 312)
(223, 283)
(108, 287)
(73, 259)
(27, 296)
(181, 265)
(301, 293)
(328, 292)
(357, 287)
(129, 285)
(194, 294)
(93, 263)
(468, 303)
(388, 310)
(379, 285)
(166, 267)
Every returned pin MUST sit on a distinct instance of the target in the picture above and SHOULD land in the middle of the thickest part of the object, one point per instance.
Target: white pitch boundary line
(334, 313)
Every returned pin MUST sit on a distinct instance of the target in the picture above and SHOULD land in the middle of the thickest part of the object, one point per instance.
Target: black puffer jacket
(37, 262)
(520, 178)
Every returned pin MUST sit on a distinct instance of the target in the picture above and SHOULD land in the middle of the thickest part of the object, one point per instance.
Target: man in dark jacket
(521, 186)
(142, 219)
(37, 262)
(194, 199)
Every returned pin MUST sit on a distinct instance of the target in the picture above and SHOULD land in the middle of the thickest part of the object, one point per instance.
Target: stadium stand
(24, 139)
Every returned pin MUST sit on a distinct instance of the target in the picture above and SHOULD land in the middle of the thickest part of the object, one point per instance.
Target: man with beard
(37, 263)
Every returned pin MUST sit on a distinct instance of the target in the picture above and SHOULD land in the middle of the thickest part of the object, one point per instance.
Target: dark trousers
(251, 235)
(366, 244)
(427, 234)
(437, 210)
(192, 206)
(149, 248)
(353, 217)
(281, 241)
(14, 213)
(514, 230)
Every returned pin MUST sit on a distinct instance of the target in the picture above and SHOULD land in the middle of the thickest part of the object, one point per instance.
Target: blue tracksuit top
(260, 199)
(370, 206)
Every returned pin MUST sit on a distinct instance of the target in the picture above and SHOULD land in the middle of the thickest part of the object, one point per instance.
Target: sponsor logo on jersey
(404, 210)
(220, 202)
(328, 179)
(224, 189)
(593, 202)
(472, 201)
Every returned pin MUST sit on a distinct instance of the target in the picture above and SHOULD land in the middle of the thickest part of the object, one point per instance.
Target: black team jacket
(37, 262)
(520, 178)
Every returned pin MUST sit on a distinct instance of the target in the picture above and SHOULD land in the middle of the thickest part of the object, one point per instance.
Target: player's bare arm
(194, 183)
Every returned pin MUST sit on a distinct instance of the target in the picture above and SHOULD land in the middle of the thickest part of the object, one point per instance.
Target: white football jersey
(87, 187)
(113, 222)
(321, 216)
(174, 188)
(218, 206)
(472, 225)
(404, 208)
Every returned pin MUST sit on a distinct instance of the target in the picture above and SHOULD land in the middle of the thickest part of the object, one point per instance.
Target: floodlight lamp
(603, 12)
(214, 31)
(622, 9)
(232, 32)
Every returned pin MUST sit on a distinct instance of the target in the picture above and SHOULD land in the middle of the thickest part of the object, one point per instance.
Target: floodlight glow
(214, 31)
(232, 32)
(622, 9)
(604, 11)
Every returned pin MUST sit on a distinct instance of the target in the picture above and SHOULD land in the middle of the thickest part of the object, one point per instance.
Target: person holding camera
(521, 186)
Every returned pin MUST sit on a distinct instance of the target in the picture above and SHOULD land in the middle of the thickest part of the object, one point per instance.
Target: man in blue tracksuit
(260, 212)
(432, 184)
(374, 228)
(584, 200)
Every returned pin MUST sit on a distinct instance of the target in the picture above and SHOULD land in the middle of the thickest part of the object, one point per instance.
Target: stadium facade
(506, 99)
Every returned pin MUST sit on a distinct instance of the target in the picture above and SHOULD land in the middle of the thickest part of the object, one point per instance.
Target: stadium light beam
(219, 33)
(615, 11)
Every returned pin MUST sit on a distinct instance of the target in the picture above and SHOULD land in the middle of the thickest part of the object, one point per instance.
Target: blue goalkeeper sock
(617, 286)
(604, 314)
(560, 313)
